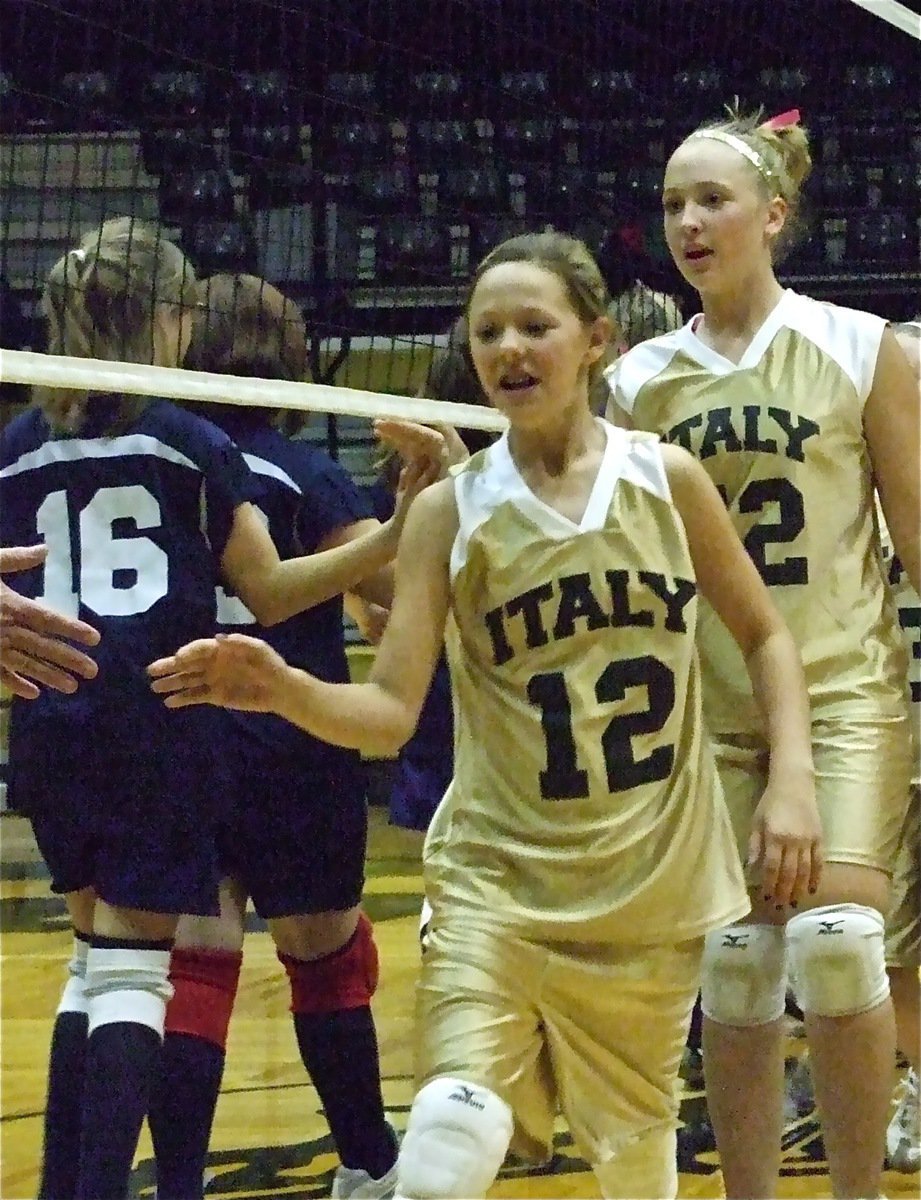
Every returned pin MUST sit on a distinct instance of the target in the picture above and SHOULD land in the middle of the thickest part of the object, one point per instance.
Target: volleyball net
(362, 158)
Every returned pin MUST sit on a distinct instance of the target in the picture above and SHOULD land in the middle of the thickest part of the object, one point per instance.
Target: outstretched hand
(228, 671)
(440, 444)
(32, 651)
(415, 477)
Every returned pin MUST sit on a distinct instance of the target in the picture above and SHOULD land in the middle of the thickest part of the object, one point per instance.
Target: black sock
(122, 1059)
(182, 1113)
(63, 1108)
(339, 1050)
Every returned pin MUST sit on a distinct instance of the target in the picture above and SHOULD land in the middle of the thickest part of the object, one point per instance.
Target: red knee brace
(345, 979)
(205, 987)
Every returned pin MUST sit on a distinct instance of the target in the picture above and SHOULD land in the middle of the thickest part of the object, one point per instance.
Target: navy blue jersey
(135, 525)
(305, 496)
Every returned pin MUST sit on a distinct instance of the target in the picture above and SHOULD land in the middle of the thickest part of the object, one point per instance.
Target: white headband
(743, 148)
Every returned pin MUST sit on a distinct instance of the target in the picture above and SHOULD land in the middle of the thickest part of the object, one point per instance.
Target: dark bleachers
(375, 177)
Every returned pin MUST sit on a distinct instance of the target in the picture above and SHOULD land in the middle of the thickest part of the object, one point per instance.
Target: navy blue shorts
(296, 837)
(426, 764)
(131, 827)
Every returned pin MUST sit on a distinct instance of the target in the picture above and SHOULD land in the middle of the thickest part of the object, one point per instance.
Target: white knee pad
(455, 1142)
(744, 975)
(838, 958)
(124, 984)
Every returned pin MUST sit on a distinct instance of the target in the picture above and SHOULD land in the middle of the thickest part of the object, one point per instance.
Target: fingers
(187, 699)
(816, 863)
(44, 660)
(26, 667)
(755, 846)
(178, 681)
(800, 887)
(784, 892)
(192, 657)
(18, 684)
(455, 451)
(49, 652)
(771, 862)
(791, 869)
(22, 558)
(228, 671)
(45, 620)
(416, 477)
(18, 612)
(419, 446)
(804, 873)
(409, 438)
(373, 622)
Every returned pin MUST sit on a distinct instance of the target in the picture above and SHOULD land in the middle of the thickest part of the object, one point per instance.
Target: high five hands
(33, 649)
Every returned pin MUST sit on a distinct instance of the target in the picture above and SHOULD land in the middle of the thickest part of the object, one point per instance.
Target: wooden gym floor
(270, 1139)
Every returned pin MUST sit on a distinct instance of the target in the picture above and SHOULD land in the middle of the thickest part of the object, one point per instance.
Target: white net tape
(898, 15)
(172, 383)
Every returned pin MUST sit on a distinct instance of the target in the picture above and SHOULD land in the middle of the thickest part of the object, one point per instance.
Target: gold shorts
(862, 775)
(593, 1031)
(903, 922)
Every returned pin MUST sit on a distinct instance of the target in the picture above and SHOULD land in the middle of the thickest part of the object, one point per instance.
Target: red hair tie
(783, 120)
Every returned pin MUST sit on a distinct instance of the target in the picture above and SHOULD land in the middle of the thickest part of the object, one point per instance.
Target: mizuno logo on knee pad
(735, 941)
(827, 927)
(466, 1095)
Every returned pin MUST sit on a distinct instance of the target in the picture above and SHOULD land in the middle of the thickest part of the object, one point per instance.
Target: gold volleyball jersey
(584, 804)
(781, 435)
(908, 606)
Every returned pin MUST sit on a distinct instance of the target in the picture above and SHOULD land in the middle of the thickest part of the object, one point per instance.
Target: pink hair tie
(783, 120)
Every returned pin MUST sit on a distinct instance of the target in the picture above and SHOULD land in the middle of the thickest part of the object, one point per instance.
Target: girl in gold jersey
(582, 850)
(795, 409)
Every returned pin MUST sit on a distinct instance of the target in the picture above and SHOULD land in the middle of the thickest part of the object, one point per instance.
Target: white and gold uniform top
(781, 435)
(584, 804)
(908, 605)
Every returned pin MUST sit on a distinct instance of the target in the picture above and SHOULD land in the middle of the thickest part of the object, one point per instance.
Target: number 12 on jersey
(564, 779)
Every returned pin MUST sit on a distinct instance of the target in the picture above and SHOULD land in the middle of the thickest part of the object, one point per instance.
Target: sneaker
(903, 1137)
(350, 1184)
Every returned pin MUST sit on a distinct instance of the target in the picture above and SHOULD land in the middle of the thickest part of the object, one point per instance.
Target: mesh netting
(362, 156)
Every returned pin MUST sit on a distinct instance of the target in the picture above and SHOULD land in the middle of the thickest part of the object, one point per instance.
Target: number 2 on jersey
(790, 523)
(564, 779)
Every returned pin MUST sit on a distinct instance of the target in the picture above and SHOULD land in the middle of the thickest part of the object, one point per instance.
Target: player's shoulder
(25, 432)
(269, 454)
(630, 373)
(810, 315)
(641, 458)
(433, 522)
(849, 337)
(485, 480)
(476, 463)
(163, 418)
(682, 470)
